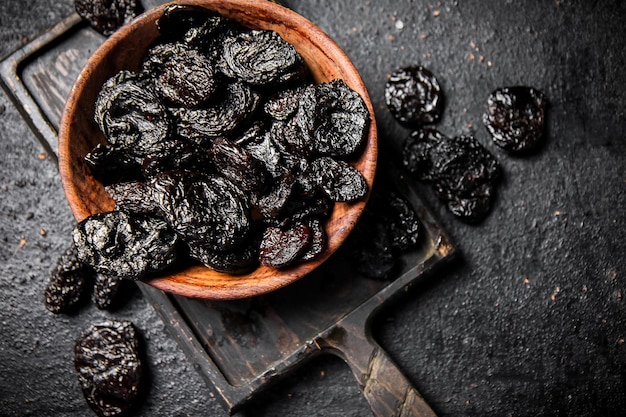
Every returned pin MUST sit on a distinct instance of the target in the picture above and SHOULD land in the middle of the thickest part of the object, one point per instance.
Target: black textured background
(531, 319)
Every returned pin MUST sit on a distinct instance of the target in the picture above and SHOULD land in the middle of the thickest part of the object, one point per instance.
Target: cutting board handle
(387, 390)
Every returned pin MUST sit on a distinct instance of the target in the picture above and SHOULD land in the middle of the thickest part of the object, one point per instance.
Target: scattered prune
(131, 116)
(339, 180)
(107, 291)
(204, 124)
(125, 245)
(335, 117)
(110, 165)
(369, 248)
(515, 118)
(404, 226)
(107, 359)
(106, 16)
(207, 211)
(413, 96)
(280, 248)
(68, 283)
(462, 172)
(261, 57)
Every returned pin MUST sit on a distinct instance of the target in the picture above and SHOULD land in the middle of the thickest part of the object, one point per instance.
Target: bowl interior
(125, 49)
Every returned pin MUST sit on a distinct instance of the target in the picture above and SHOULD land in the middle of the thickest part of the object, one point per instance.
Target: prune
(207, 211)
(204, 124)
(107, 291)
(110, 165)
(413, 96)
(254, 133)
(515, 118)
(272, 204)
(401, 220)
(369, 248)
(107, 359)
(335, 117)
(318, 240)
(461, 171)
(106, 16)
(131, 116)
(294, 145)
(183, 75)
(177, 154)
(261, 57)
(125, 245)
(238, 261)
(68, 283)
(281, 248)
(284, 104)
(235, 163)
(268, 153)
(339, 180)
(178, 20)
(132, 197)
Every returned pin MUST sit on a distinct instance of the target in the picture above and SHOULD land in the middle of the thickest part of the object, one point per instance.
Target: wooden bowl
(125, 49)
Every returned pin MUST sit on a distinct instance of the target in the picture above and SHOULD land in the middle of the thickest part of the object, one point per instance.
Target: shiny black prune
(265, 150)
(177, 154)
(131, 116)
(413, 96)
(515, 118)
(68, 283)
(260, 57)
(339, 180)
(125, 245)
(462, 172)
(202, 125)
(335, 118)
(108, 361)
(395, 212)
(281, 248)
(132, 197)
(106, 16)
(318, 240)
(271, 204)
(182, 75)
(239, 260)
(235, 163)
(284, 104)
(187, 22)
(291, 142)
(254, 133)
(369, 248)
(205, 210)
(108, 291)
(110, 165)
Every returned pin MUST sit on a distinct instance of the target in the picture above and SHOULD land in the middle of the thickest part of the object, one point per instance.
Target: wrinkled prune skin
(271, 205)
(237, 261)
(236, 164)
(107, 291)
(260, 57)
(413, 96)
(125, 245)
(402, 222)
(291, 142)
(335, 118)
(369, 248)
(183, 75)
(515, 118)
(284, 104)
(265, 150)
(206, 211)
(110, 165)
(131, 116)
(177, 20)
(132, 197)
(461, 171)
(339, 180)
(318, 240)
(281, 248)
(106, 16)
(107, 359)
(68, 283)
(176, 154)
(202, 125)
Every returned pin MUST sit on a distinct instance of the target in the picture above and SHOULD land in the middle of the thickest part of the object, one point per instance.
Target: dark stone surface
(530, 321)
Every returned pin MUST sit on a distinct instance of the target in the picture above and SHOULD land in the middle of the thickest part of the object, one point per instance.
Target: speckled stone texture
(531, 320)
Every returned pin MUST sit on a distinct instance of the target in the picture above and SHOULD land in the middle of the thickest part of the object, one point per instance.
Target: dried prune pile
(219, 149)
(515, 118)
(106, 16)
(107, 358)
(461, 171)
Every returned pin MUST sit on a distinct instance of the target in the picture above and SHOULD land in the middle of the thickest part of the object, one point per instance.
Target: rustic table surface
(530, 319)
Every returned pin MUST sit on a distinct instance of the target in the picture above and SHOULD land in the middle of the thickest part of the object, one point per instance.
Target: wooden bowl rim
(187, 282)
